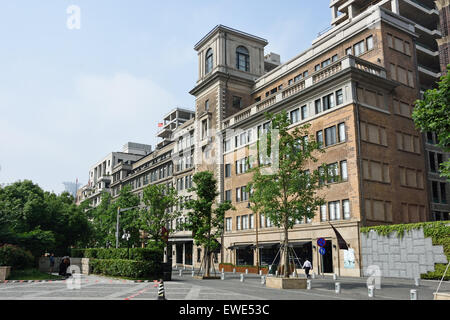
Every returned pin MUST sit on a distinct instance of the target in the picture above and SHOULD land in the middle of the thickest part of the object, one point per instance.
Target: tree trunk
(286, 253)
(207, 262)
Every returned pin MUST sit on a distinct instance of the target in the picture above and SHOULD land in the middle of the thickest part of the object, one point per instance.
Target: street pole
(117, 228)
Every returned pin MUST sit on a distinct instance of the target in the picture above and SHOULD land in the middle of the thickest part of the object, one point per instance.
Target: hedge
(127, 268)
(438, 231)
(138, 254)
(15, 257)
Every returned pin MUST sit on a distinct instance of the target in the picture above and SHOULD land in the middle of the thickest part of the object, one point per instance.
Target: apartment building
(100, 173)
(431, 22)
(356, 92)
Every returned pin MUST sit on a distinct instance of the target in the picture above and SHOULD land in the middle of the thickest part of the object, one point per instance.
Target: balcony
(345, 63)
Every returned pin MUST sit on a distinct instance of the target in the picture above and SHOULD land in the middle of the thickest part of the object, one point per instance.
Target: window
(290, 82)
(319, 138)
(317, 67)
(402, 108)
(274, 90)
(435, 192)
(204, 129)
(305, 74)
(339, 97)
(242, 59)
(304, 112)
(411, 178)
(237, 102)
(334, 58)
(238, 223)
(326, 63)
(407, 142)
(398, 44)
(369, 42)
(298, 78)
(244, 222)
(330, 136)
(209, 61)
(227, 170)
(323, 212)
(390, 40)
(341, 128)
(443, 193)
(431, 157)
(373, 133)
(376, 171)
(238, 194)
(333, 172)
(207, 105)
(226, 145)
(318, 106)
(251, 221)
(346, 209)
(228, 195)
(359, 48)
(348, 51)
(334, 210)
(328, 101)
(295, 115)
(344, 172)
(228, 224)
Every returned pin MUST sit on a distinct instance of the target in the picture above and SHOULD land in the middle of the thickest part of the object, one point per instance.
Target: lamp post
(126, 235)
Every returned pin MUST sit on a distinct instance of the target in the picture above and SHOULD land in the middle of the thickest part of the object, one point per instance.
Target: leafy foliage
(206, 222)
(41, 221)
(159, 201)
(15, 257)
(433, 114)
(288, 193)
(127, 268)
(154, 253)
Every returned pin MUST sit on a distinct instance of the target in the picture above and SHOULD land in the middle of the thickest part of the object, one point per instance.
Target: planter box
(229, 268)
(4, 273)
(442, 296)
(206, 278)
(285, 283)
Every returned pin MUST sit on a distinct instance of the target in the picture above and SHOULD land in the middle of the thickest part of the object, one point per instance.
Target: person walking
(52, 262)
(307, 266)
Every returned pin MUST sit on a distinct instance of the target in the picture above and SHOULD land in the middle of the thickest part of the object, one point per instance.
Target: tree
(288, 193)
(159, 201)
(432, 114)
(206, 222)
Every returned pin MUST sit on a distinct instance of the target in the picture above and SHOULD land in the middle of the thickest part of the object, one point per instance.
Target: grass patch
(31, 274)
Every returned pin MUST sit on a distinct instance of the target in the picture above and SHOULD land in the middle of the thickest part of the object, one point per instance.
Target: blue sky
(69, 97)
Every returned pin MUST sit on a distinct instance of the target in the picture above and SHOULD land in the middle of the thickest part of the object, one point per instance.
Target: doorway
(328, 257)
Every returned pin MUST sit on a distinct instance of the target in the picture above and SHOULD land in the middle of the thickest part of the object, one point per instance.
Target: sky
(70, 96)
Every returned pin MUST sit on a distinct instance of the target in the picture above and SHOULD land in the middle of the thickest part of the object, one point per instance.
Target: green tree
(288, 192)
(432, 114)
(159, 201)
(206, 218)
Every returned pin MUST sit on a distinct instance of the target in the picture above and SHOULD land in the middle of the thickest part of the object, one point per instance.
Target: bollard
(263, 280)
(222, 270)
(337, 287)
(242, 277)
(276, 273)
(193, 273)
(246, 271)
(234, 270)
(334, 276)
(184, 267)
(413, 294)
(313, 275)
(370, 291)
(417, 282)
(260, 272)
(161, 291)
(308, 284)
(222, 276)
(180, 273)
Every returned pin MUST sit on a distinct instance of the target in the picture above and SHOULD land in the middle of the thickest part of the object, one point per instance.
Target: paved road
(187, 288)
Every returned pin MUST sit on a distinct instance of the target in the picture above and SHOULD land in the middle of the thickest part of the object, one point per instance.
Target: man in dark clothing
(65, 263)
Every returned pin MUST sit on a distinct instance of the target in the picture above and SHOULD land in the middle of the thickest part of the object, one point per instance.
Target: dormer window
(242, 59)
(209, 61)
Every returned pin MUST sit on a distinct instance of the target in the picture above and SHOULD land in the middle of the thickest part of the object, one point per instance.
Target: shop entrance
(188, 253)
(244, 256)
(179, 253)
(328, 257)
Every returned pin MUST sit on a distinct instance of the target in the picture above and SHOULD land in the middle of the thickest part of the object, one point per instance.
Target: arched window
(209, 61)
(242, 59)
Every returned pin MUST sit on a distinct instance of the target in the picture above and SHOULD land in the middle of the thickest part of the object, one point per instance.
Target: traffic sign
(322, 251)
(321, 242)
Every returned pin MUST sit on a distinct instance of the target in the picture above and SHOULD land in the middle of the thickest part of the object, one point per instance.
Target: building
(431, 22)
(100, 173)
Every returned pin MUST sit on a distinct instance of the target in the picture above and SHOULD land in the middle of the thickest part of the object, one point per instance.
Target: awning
(240, 246)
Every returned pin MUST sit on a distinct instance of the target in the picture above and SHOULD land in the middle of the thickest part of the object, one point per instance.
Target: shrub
(16, 257)
(127, 268)
(138, 254)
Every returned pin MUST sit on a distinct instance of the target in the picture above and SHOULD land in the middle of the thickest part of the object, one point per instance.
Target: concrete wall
(406, 257)
(44, 263)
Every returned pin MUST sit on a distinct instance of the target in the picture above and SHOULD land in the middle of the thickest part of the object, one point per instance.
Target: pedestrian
(307, 266)
(52, 262)
(65, 263)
